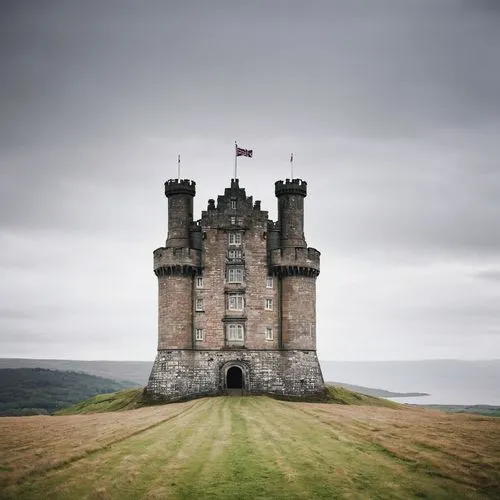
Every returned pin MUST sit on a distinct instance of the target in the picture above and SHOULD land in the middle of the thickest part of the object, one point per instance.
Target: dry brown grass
(465, 448)
(35, 444)
(252, 447)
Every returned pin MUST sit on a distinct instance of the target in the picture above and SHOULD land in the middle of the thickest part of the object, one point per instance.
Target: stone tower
(236, 297)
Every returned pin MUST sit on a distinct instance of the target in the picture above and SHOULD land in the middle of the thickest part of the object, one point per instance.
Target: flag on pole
(244, 152)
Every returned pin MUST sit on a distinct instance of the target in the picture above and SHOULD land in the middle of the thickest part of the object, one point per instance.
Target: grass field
(251, 447)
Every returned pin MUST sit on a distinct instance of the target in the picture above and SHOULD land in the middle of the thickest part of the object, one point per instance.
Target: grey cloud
(76, 72)
(14, 314)
(489, 275)
(392, 110)
(414, 197)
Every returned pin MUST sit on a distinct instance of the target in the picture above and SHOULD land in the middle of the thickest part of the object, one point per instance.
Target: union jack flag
(244, 152)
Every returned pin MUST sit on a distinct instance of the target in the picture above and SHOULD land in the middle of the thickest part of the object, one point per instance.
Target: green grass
(115, 401)
(255, 447)
(487, 410)
(340, 395)
(135, 398)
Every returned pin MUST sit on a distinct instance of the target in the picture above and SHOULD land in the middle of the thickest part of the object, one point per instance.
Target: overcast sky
(392, 110)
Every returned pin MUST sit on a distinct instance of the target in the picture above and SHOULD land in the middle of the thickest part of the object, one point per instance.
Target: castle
(236, 297)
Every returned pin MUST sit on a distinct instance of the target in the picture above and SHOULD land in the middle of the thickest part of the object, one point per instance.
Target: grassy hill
(135, 398)
(379, 393)
(251, 447)
(33, 391)
(129, 399)
(488, 410)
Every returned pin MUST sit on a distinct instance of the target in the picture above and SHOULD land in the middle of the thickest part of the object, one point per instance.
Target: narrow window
(199, 282)
(234, 254)
(236, 332)
(269, 333)
(269, 282)
(236, 302)
(235, 238)
(199, 305)
(233, 204)
(235, 275)
(199, 334)
(233, 220)
(268, 304)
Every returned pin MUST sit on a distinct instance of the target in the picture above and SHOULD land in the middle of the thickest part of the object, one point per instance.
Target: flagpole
(291, 165)
(178, 167)
(235, 161)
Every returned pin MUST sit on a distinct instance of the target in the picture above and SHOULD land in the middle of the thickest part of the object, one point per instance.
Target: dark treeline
(38, 391)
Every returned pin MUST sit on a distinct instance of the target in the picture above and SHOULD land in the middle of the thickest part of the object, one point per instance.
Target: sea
(448, 382)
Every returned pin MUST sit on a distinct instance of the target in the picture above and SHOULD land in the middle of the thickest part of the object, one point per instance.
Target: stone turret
(297, 267)
(291, 194)
(175, 265)
(180, 194)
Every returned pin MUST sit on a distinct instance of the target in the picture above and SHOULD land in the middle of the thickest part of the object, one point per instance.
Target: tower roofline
(291, 186)
(180, 186)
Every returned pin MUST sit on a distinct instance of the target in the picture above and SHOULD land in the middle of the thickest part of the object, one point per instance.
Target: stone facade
(184, 373)
(236, 297)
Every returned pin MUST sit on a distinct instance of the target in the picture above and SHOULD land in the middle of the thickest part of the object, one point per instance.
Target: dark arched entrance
(234, 378)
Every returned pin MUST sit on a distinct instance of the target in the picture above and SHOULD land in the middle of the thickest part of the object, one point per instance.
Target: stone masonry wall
(299, 312)
(184, 374)
(180, 211)
(175, 312)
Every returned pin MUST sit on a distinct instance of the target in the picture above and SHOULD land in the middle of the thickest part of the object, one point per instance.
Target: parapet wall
(291, 186)
(180, 186)
(299, 258)
(169, 259)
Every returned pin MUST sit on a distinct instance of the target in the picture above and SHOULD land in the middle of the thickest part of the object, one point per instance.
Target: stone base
(187, 374)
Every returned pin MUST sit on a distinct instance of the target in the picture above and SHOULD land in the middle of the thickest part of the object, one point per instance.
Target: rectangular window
(199, 305)
(233, 204)
(235, 275)
(236, 302)
(199, 282)
(234, 254)
(269, 333)
(268, 304)
(235, 331)
(235, 238)
(199, 334)
(269, 282)
(233, 220)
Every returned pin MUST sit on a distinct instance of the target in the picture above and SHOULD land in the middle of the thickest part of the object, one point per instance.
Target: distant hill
(35, 391)
(138, 372)
(379, 393)
(488, 410)
(135, 371)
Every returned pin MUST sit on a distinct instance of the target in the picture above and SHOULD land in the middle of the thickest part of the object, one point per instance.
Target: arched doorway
(234, 378)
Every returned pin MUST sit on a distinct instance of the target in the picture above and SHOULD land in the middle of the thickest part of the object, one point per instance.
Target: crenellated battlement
(295, 261)
(180, 186)
(171, 260)
(291, 186)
